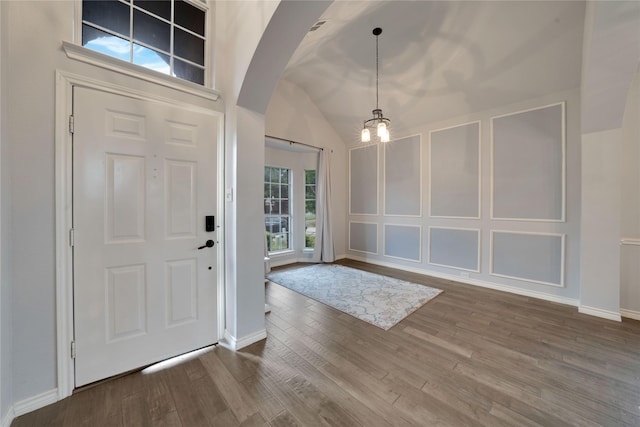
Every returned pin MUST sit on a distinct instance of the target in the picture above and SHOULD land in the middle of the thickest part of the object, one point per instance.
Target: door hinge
(71, 124)
(73, 349)
(72, 237)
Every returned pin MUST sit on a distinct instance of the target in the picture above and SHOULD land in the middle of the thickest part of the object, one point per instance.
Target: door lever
(209, 244)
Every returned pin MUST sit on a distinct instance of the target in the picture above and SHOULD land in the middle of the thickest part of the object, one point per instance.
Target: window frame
(315, 200)
(290, 216)
(76, 50)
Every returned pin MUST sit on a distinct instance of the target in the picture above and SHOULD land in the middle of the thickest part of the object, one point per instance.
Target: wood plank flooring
(470, 357)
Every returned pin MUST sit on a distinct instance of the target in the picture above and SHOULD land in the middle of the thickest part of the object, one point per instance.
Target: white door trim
(63, 209)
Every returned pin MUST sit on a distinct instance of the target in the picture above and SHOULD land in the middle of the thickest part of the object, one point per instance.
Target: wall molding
(475, 282)
(430, 160)
(351, 213)
(384, 180)
(384, 242)
(598, 312)
(630, 314)
(233, 343)
(359, 250)
(97, 59)
(630, 241)
(35, 402)
(563, 250)
(8, 417)
(29, 404)
(479, 248)
(563, 213)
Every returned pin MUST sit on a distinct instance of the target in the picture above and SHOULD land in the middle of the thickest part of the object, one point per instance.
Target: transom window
(164, 35)
(277, 216)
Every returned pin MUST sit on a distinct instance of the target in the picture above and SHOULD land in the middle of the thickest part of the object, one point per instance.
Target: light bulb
(382, 127)
(366, 135)
(385, 136)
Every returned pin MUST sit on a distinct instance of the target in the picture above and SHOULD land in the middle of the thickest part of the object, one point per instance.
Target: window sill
(82, 54)
(308, 251)
(281, 253)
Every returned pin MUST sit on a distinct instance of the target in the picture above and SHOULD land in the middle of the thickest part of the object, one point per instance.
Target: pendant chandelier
(379, 122)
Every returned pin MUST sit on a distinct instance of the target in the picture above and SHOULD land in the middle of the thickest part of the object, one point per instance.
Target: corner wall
(6, 330)
(630, 213)
(611, 54)
(292, 115)
(255, 40)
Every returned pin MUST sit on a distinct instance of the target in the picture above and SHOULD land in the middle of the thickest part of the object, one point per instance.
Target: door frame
(65, 82)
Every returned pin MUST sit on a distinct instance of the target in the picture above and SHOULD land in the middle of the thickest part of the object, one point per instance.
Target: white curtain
(323, 249)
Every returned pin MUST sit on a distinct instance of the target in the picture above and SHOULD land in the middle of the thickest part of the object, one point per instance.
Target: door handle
(209, 244)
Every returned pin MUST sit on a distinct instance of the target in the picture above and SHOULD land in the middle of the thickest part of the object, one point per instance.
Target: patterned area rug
(380, 300)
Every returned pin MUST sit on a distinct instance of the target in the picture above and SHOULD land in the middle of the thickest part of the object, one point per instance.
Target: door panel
(144, 180)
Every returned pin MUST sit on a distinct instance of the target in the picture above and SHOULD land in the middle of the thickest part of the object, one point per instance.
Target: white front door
(144, 179)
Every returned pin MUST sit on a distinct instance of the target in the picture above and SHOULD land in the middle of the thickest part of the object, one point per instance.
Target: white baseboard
(598, 312)
(28, 405)
(474, 282)
(8, 418)
(630, 314)
(233, 343)
(35, 402)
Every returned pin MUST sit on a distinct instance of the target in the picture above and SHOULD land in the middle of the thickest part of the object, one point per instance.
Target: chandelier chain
(377, 107)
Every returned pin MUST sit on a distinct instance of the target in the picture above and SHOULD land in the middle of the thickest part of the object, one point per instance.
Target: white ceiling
(438, 59)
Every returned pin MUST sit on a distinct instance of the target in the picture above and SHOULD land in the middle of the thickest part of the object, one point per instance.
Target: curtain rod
(294, 142)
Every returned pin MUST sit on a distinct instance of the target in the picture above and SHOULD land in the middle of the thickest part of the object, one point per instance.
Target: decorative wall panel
(455, 172)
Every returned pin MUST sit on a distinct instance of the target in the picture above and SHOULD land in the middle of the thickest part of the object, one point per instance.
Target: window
(309, 209)
(277, 218)
(163, 35)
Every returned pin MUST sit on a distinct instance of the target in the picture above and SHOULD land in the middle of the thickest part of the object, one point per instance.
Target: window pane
(310, 208)
(151, 31)
(284, 191)
(267, 173)
(284, 207)
(279, 241)
(275, 174)
(188, 72)
(275, 206)
(106, 43)
(151, 59)
(275, 190)
(161, 8)
(309, 176)
(188, 46)
(111, 15)
(310, 192)
(189, 17)
(284, 176)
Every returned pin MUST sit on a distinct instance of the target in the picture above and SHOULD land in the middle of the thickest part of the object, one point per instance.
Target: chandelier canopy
(378, 121)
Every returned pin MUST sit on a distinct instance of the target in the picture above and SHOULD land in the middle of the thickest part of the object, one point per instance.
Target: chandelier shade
(378, 122)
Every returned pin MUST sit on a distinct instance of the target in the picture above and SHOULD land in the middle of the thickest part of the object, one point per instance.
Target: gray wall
(6, 333)
(459, 168)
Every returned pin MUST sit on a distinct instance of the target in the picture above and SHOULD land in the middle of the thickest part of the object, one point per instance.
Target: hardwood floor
(470, 357)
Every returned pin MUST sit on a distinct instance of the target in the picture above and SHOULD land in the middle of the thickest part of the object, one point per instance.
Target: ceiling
(438, 59)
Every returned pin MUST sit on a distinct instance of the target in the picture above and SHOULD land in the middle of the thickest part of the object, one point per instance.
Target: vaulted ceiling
(438, 59)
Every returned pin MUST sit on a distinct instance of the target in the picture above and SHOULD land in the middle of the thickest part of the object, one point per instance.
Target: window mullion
(131, 31)
(173, 20)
